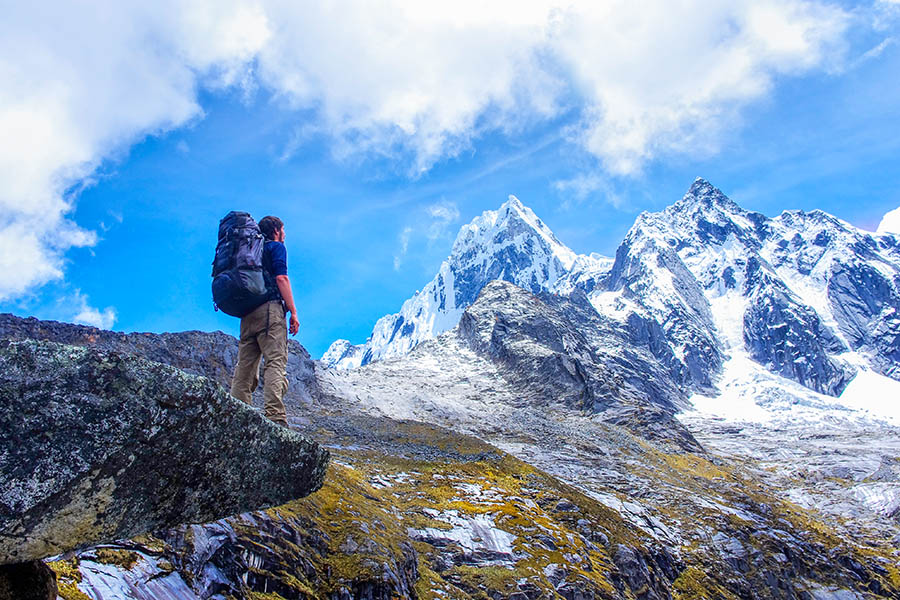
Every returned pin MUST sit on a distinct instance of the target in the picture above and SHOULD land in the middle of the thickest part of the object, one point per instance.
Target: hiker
(264, 329)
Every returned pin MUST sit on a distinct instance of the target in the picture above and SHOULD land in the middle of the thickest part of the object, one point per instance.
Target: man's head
(272, 228)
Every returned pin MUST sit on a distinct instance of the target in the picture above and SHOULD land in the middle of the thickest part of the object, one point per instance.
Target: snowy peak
(706, 194)
(495, 228)
(342, 351)
(724, 299)
(798, 296)
(510, 244)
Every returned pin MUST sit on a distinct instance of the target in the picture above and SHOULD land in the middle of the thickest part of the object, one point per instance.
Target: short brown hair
(269, 225)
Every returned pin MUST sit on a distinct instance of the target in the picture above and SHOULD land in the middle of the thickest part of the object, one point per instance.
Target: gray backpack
(240, 283)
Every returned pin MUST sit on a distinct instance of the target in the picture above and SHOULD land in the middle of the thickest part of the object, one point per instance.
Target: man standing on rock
(264, 330)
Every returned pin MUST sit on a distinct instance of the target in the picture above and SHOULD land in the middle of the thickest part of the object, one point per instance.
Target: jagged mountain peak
(510, 243)
(513, 202)
(703, 191)
(705, 202)
(512, 219)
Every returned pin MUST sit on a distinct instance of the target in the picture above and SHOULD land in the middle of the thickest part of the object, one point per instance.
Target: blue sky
(375, 163)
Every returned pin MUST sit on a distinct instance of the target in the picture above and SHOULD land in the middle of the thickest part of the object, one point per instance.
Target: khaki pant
(263, 334)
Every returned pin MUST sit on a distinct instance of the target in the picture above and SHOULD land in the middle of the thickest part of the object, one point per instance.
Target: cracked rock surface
(96, 446)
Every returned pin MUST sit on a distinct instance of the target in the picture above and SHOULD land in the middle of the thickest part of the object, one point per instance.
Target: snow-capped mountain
(746, 302)
(739, 309)
(511, 244)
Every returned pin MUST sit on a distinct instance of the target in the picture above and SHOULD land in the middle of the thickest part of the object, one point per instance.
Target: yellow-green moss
(68, 576)
(261, 596)
(119, 558)
(693, 584)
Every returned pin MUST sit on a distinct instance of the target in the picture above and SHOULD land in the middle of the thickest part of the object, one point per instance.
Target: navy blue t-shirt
(275, 263)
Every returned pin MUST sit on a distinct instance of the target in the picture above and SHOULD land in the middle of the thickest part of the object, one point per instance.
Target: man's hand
(284, 286)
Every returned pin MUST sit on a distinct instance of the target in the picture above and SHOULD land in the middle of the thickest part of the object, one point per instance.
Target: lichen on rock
(98, 446)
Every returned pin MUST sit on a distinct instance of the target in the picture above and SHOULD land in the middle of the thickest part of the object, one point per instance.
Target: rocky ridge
(590, 508)
(97, 446)
(208, 354)
(725, 282)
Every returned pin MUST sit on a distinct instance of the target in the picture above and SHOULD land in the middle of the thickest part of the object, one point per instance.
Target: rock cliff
(210, 354)
(97, 446)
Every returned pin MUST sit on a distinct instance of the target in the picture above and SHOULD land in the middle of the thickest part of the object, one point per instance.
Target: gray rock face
(211, 355)
(653, 276)
(866, 305)
(789, 338)
(560, 351)
(97, 446)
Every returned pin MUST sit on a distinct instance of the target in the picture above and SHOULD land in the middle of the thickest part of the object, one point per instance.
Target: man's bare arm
(284, 286)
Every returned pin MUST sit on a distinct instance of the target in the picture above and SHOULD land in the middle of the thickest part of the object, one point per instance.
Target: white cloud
(669, 79)
(404, 247)
(431, 224)
(415, 80)
(579, 188)
(443, 215)
(88, 315)
(890, 223)
(79, 86)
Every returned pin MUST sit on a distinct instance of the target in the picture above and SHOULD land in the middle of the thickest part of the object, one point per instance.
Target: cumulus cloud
(79, 86)
(88, 315)
(670, 78)
(890, 223)
(412, 81)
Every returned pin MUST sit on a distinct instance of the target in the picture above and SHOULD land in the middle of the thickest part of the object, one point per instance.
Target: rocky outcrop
(653, 281)
(866, 306)
(790, 338)
(211, 355)
(32, 580)
(559, 351)
(100, 445)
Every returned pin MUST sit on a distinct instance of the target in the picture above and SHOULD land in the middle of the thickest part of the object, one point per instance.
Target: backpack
(240, 283)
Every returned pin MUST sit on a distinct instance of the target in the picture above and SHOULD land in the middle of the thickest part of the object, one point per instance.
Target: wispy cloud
(403, 239)
(576, 190)
(434, 222)
(443, 215)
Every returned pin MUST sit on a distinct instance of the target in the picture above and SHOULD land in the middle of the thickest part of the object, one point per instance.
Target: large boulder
(211, 354)
(96, 446)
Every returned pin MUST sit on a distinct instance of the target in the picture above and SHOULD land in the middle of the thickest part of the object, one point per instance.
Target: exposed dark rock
(867, 308)
(560, 351)
(639, 576)
(97, 446)
(31, 580)
(685, 319)
(790, 338)
(197, 352)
